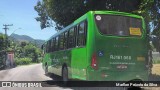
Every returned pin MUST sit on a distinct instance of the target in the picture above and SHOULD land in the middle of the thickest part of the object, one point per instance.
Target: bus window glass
(61, 40)
(56, 44)
(50, 47)
(76, 34)
(44, 48)
(71, 38)
(118, 25)
(53, 45)
(47, 47)
(65, 39)
(81, 34)
(85, 32)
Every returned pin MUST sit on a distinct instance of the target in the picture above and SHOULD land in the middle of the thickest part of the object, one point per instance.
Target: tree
(2, 51)
(156, 23)
(43, 16)
(23, 44)
(151, 11)
(64, 12)
(145, 10)
(32, 51)
(2, 42)
(155, 15)
(26, 50)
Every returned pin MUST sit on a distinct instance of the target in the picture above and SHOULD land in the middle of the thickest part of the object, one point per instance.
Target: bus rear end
(119, 48)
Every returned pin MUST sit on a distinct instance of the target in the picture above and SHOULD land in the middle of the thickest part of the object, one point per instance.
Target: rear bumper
(106, 75)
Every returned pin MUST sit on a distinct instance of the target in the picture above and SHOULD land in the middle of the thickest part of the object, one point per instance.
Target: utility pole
(6, 28)
(6, 39)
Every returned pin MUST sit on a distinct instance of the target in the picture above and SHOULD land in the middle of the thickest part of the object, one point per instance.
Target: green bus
(99, 46)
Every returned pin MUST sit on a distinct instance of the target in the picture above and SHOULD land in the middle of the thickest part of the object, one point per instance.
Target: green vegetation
(25, 52)
(64, 12)
(2, 51)
(23, 61)
(156, 59)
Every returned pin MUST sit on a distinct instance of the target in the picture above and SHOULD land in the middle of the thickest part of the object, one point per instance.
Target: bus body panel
(78, 63)
(86, 52)
(58, 59)
(112, 55)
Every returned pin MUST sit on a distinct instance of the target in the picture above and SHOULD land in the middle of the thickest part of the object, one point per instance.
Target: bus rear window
(118, 25)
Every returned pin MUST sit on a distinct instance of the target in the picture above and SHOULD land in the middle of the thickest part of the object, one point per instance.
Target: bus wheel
(46, 70)
(65, 74)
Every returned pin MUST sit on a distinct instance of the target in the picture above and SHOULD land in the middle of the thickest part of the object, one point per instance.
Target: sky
(22, 15)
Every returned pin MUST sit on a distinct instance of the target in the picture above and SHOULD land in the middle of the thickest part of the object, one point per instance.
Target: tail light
(94, 62)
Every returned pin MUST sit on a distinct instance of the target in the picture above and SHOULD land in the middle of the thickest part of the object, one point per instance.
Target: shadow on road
(154, 77)
(3, 74)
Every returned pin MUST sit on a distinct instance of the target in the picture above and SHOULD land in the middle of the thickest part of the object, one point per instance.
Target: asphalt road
(36, 73)
(26, 73)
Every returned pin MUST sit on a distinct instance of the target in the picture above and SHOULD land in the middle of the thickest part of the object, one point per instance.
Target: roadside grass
(24, 61)
(156, 68)
(156, 58)
(156, 61)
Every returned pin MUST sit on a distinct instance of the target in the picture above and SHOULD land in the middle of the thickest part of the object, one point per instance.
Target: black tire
(65, 74)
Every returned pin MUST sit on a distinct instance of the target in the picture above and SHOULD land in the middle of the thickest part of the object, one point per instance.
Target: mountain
(26, 38)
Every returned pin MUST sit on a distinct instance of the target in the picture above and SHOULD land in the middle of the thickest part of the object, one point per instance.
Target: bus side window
(52, 45)
(47, 47)
(65, 40)
(76, 34)
(85, 32)
(71, 38)
(81, 34)
(42, 47)
(56, 44)
(61, 40)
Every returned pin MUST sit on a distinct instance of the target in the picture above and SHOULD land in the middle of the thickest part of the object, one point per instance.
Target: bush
(156, 61)
(39, 59)
(23, 61)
